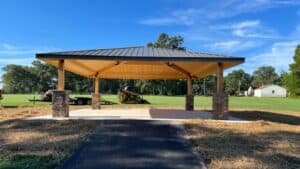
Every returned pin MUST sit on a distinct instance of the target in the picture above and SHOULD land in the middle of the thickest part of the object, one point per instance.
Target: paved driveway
(135, 144)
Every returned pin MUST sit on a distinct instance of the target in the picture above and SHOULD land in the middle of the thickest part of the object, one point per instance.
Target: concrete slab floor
(135, 114)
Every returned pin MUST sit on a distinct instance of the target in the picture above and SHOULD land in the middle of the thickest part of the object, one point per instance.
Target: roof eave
(134, 58)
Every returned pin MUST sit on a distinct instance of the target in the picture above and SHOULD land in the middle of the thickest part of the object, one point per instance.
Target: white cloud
(177, 17)
(233, 45)
(8, 46)
(280, 55)
(17, 61)
(237, 25)
(246, 24)
(167, 21)
(12, 50)
(227, 45)
(213, 10)
(248, 29)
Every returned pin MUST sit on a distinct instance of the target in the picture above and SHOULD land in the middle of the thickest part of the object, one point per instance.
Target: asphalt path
(135, 144)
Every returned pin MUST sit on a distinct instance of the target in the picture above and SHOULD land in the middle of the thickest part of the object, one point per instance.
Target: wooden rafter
(207, 70)
(107, 68)
(180, 70)
(81, 65)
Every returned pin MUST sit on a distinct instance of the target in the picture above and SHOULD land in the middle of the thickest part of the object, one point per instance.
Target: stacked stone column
(220, 106)
(189, 102)
(96, 101)
(60, 97)
(60, 103)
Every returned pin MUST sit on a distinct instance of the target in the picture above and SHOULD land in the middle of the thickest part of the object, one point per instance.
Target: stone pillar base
(60, 103)
(220, 106)
(96, 101)
(189, 102)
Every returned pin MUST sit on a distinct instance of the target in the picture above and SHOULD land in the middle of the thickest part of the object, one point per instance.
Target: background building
(270, 91)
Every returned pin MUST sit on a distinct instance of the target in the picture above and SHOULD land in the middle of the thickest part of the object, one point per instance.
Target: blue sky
(264, 31)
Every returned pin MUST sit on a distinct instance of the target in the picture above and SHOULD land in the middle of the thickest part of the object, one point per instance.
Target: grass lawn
(282, 104)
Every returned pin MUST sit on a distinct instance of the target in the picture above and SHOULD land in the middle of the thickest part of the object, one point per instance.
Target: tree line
(40, 77)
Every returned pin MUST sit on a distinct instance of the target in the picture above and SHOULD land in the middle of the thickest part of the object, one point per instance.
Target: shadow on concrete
(178, 114)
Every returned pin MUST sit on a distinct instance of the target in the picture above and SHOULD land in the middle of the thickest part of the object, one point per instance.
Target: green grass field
(283, 104)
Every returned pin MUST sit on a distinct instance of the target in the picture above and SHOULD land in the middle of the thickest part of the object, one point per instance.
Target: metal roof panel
(139, 53)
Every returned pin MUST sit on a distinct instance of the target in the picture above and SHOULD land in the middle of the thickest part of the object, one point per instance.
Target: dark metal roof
(138, 53)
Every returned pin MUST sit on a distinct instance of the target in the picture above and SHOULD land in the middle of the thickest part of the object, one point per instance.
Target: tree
(77, 83)
(237, 81)
(45, 76)
(294, 86)
(18, 79)
(205, 86)
(164, 41)
(39, 77)
(284, 79)
(264, 75)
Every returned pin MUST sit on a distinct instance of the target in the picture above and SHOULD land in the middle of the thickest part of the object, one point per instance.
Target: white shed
(270, 91)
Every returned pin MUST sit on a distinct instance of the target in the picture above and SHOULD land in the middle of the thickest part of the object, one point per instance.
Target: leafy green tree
(77, 83)
(40, 77)
(237, 81)
(284, 79)
(18, 79)
(164, 41)
(205, 86)
(264, 75)
(294, 86)
(45, 76)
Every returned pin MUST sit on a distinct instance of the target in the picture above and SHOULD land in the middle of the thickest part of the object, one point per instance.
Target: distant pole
(204, 87)
(239, 89)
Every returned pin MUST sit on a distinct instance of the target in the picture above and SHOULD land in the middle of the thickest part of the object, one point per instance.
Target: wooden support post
(189, 86)
(189, 101)
(96, 96)
(60, 97)
(96, 91)
(61, 75)
(220, 78)
(220, 99)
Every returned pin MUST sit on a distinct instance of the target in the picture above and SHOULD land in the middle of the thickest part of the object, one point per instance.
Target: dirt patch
(274, 116)
(258, 144)
(40, 144)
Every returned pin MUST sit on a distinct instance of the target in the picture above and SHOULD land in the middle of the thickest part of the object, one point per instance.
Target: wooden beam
(220, 78)
(96, 90)
(155, 63)
(180, 70)
(61, 75)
